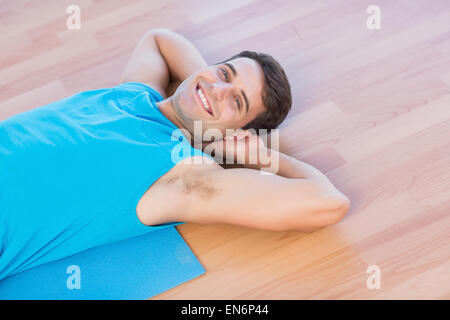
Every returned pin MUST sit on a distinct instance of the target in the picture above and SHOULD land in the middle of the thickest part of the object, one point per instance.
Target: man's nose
(219, 90)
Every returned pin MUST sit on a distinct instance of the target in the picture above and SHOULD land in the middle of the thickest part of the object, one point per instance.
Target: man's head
(248, 90)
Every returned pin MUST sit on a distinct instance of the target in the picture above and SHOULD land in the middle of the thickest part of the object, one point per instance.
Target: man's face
(233, 99)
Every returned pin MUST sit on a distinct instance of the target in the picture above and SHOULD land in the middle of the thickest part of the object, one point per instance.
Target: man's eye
(225, 74)
(238, 103)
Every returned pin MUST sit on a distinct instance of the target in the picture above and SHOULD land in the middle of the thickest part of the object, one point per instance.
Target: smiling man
(98, 167)
(247, 91)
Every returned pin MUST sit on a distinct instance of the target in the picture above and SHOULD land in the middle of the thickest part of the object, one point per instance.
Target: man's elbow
(319, 219)
(341, 210)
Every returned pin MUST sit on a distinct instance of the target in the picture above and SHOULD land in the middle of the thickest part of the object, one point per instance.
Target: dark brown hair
(276, 93)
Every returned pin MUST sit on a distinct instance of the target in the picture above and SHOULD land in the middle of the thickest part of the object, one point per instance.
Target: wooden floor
(371, 110)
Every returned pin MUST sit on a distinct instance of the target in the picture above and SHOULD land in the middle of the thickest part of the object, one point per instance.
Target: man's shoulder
(166, 199)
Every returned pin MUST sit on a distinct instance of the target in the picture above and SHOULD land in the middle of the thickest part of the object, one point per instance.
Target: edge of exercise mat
(137, 268)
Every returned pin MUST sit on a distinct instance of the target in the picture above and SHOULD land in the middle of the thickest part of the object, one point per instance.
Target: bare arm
(162, 60)
(181, 56)
(295, 196)
(266, 159)
(270, 202)
(290, 167)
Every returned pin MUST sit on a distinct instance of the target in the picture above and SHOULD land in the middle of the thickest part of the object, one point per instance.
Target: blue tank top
(72, 172)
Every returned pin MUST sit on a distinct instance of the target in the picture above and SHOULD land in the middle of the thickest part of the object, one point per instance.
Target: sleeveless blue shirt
(72, 172)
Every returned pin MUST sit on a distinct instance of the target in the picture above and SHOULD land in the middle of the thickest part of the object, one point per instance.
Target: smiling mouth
(203, 101)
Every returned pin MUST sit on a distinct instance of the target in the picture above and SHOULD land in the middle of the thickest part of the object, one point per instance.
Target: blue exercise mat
(138, 268)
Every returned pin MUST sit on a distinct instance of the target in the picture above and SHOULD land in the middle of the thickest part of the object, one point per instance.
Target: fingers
(241, 134)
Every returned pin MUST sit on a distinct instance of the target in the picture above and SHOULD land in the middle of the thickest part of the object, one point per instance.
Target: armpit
(194, 183)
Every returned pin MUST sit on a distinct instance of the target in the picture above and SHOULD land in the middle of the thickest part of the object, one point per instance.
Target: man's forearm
(181, 56)
(286, 166)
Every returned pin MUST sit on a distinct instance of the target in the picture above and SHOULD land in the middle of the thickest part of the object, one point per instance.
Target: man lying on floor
(106, 165)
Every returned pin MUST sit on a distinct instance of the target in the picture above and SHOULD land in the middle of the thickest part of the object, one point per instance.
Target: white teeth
(205, 103)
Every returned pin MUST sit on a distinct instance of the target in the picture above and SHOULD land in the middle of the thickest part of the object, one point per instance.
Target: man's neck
(168, 110)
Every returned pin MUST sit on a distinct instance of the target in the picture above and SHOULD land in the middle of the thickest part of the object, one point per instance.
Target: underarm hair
(192, 182)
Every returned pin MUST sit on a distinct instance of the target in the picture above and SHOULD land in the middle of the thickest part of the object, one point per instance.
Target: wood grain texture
(371, 109)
